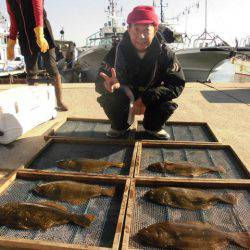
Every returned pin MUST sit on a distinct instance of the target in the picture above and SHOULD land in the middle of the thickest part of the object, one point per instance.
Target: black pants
(49, 63)
(116, 107)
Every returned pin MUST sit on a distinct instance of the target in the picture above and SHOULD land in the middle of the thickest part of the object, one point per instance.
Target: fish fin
(118, 164)
(230, 198)
(220, 169)
(54, 205)
(108, 192)
(83, 220)
(198, 223)
(241, 239)
(78, 202)
(94, 170)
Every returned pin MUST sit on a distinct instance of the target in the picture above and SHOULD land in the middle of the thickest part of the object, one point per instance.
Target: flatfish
(183, 168)
(187, 198)
(72, 192)
(39, 216)
(191, 236)
(87, 165)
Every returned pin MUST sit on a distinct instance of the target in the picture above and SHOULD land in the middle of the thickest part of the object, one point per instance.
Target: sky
(81, 18)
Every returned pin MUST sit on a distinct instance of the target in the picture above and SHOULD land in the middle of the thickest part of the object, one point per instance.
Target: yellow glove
(10, 49)
(41, 41)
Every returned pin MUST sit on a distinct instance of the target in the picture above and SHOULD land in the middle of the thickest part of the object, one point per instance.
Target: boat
(199, 62)
(98, 44)
(242, 60)
(199, 55)
(202, 54)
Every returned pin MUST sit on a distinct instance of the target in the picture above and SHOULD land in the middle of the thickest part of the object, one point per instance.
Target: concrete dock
(224, 106)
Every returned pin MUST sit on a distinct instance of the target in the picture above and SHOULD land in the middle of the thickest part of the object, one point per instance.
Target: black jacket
(25, 21)
(151, 78)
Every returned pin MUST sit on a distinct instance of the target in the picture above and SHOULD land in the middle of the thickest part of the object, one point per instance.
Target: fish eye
(149, 194)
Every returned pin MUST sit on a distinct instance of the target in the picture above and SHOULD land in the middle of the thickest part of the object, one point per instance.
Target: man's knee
(116, 99)
(168, 107)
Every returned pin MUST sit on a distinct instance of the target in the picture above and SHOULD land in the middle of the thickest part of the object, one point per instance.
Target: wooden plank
(133, 161)
(43, 244)
(119, 227)
(80, 119)
(190, 144)
(138, 160)
(185, 123)
(4, 186)
(45, 175)
(6, 172)
(74, 175)
(212, 183)
(91, 140)
(129, 214)
(53, 128)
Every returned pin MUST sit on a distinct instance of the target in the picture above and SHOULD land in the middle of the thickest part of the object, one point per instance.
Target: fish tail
(242, 239)
(108, 192)
(220, 169)
(230, 198)
(83, 220)
(118, 164)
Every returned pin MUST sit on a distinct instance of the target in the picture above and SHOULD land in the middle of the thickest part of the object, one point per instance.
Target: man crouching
(140, 76)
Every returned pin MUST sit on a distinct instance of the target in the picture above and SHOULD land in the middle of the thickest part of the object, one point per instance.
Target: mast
(112, 12)
(161, 10)
(205, 16)
(162, 13)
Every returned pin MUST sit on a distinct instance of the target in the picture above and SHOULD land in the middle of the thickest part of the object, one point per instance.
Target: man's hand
(138, 107)
(40, 39)
(111, 83)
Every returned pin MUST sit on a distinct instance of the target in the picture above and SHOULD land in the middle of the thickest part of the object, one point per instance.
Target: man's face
(141, 35)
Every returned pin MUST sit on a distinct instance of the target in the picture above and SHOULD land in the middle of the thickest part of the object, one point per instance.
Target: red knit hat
(143, 14)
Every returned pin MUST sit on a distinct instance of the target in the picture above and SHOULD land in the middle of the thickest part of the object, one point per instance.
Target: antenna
(185, 13)
(161, 6)
(111, 9)
(205, 16)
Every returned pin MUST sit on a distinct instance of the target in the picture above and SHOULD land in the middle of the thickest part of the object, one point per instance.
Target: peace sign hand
(111, 83)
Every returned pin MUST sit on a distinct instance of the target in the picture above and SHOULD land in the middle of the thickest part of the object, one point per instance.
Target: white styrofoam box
(13, 126)
(23, 108)
(17, 100)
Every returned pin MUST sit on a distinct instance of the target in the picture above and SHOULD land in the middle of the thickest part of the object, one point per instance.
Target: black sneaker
(114, 133)
(161, 134)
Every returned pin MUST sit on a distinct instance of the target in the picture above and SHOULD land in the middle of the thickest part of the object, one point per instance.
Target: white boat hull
(197, 64)
(242, 67)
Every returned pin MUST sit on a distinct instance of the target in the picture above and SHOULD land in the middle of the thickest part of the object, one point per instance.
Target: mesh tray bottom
(228, 218)
(100, 233)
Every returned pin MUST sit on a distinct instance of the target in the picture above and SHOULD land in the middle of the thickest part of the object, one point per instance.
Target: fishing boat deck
(224, 106)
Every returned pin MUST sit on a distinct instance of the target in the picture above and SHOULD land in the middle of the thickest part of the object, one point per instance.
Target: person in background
(143, 72)
(29, 24)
